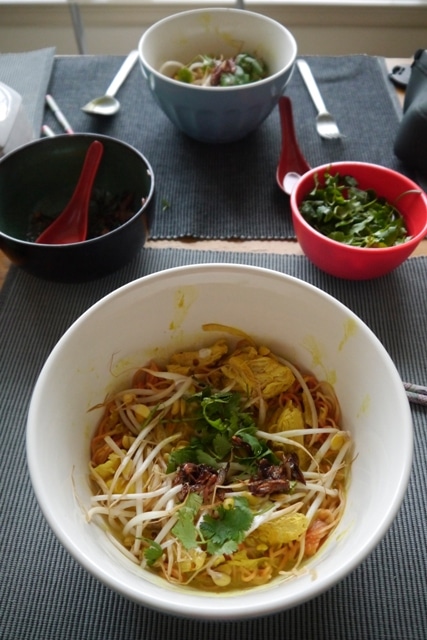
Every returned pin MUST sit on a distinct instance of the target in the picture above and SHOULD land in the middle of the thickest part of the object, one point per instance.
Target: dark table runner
(229, 191)
(46, 595)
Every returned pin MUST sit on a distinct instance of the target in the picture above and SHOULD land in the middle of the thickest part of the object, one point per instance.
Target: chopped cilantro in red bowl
(357, 220)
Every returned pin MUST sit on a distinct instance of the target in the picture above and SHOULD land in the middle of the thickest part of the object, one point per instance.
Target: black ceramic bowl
(40, 178)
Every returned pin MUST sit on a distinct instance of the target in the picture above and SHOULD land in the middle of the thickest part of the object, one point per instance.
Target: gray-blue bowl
(217, 114)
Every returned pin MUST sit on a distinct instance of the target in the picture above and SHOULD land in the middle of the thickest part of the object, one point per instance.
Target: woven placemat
(229, 191)
(45, 594)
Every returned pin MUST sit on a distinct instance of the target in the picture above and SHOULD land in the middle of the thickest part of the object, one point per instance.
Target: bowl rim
(212, 607)
(217, 10)
(296, 213)
(89, 136)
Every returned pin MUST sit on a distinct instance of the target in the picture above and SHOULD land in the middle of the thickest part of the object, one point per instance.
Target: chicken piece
(107, 469)
(290, 418)
(185, 362)
(282, 530)
(258, 373)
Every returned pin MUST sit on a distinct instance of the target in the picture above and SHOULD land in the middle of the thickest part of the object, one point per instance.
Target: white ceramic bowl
(164, 312)
(217, 114)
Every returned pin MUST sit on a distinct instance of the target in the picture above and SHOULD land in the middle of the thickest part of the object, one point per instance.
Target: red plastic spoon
(71, 225)
(292, 163)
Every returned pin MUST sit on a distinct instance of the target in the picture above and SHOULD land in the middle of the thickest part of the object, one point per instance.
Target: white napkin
(15, 127)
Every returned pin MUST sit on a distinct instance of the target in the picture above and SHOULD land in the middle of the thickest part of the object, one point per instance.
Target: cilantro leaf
(153, 552)
(221, 445)
(219, 408)
(181, 456)
(194, 452)
(185, 529)
(224, 532)
(259, 448)
(203, 457)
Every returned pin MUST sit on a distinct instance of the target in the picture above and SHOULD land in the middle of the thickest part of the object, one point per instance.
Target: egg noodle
(225, 468)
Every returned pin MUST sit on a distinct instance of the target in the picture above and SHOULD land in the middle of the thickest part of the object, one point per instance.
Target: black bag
(411, 140)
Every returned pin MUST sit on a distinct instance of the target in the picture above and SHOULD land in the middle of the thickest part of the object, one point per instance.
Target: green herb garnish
(221, 430)
(185, 75)
(227, 527)
(185, 529)
(225, 72)
(165, 204)
(220, 531)
(153, 552)
(341, 211)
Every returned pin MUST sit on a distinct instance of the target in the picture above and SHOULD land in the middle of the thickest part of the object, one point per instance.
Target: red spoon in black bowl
(71, 225)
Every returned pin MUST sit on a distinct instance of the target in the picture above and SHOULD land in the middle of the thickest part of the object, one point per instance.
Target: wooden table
(256, 246)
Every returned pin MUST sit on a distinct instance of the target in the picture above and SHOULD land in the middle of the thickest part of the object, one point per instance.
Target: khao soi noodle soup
(223, 469)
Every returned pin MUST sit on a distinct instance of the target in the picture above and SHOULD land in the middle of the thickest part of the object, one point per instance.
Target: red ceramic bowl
(355, 263)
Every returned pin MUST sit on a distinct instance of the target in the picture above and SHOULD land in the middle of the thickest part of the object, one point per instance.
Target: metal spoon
(292, 163)
(71, 225)
(108, 105)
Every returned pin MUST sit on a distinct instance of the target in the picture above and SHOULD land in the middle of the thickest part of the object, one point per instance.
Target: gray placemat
(45, 594)
(229, 191)
(28, 73)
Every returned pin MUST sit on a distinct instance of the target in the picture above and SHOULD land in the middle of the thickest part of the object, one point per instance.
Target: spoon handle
(122, 73)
